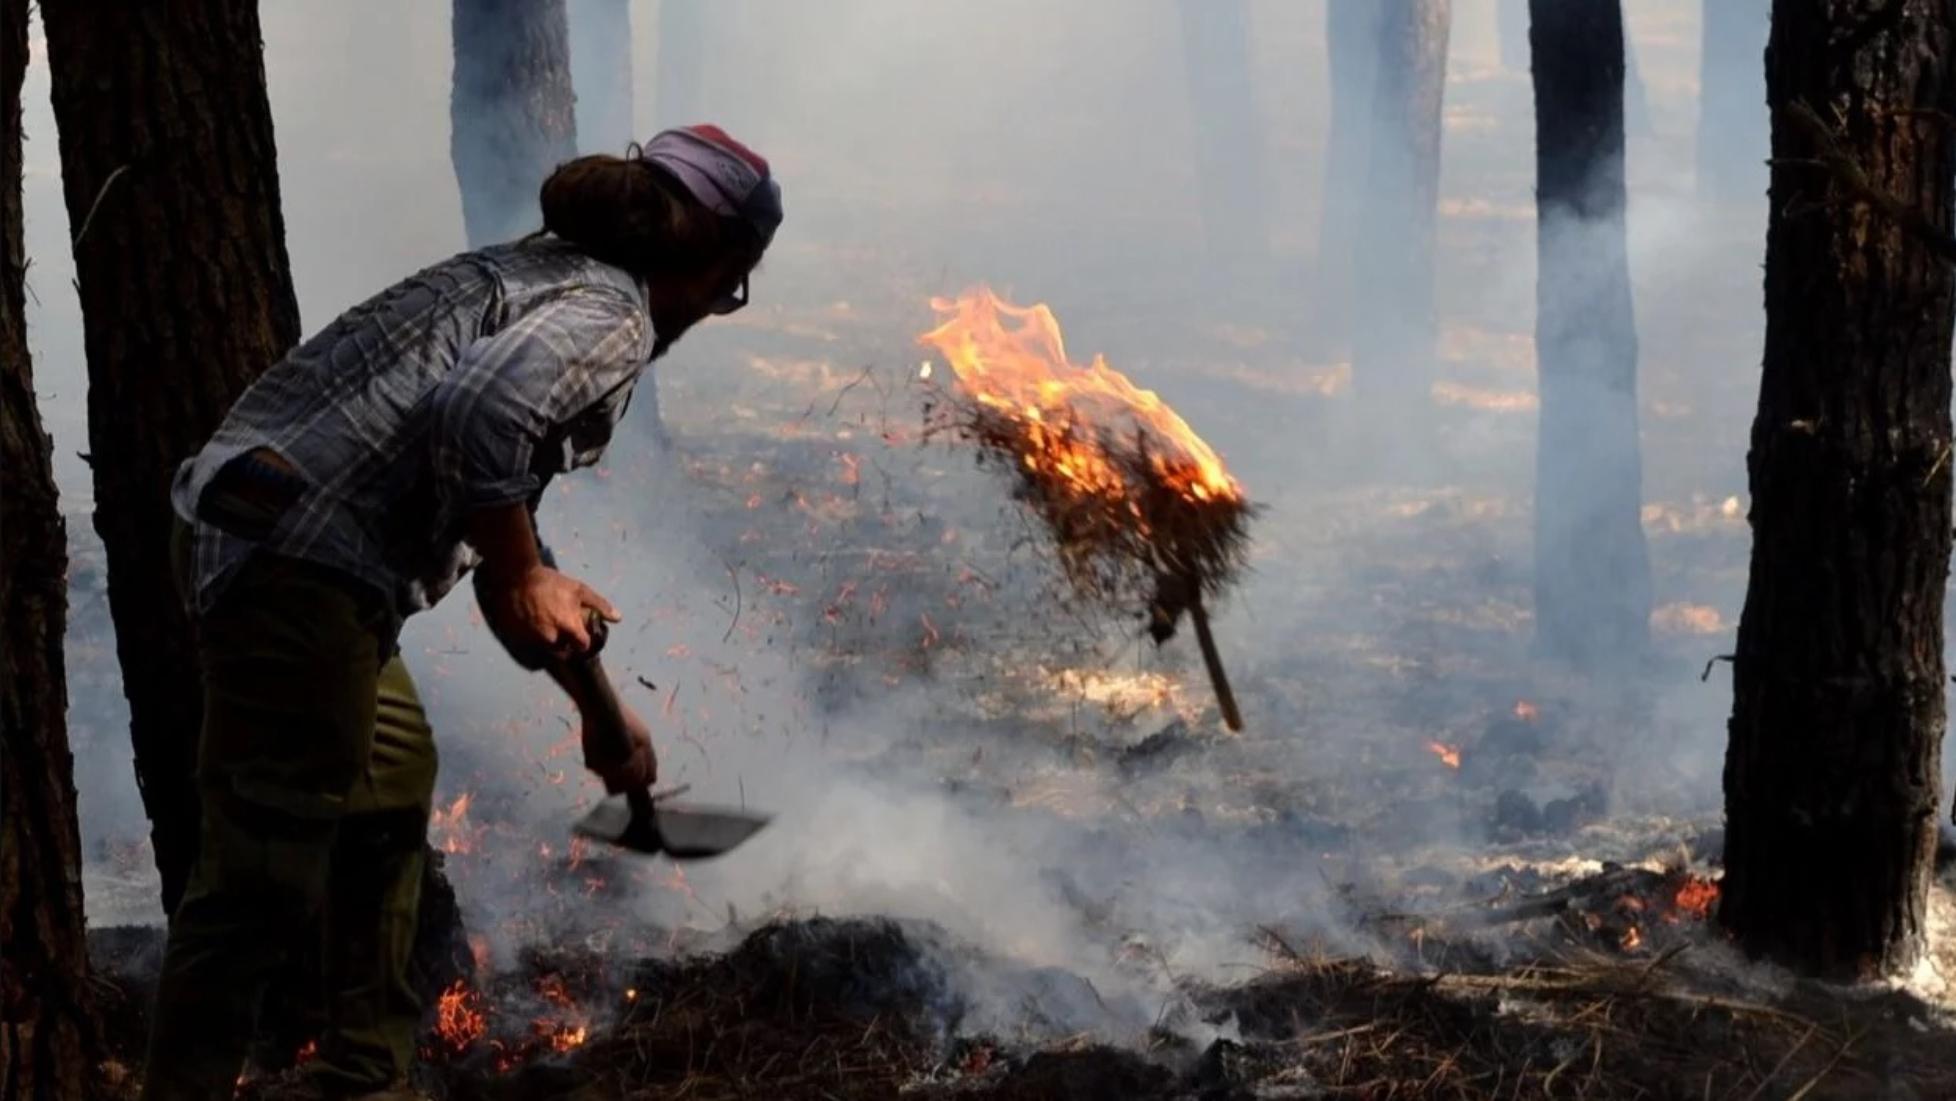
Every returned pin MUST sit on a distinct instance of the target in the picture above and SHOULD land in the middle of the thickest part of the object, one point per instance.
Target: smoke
(921, 751)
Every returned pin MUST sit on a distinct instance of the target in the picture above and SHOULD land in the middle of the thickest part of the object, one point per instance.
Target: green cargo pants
(317, 769)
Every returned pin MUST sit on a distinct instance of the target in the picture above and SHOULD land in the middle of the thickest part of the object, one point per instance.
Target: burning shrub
(1140, 509)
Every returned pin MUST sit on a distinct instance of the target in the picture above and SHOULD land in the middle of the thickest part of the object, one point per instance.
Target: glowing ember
(449, 826)
(565, 1037)
(1526, 711)
(307, 1053)
(1695, 898)
(1633, 939)
(459, 1019)
(1449, 755)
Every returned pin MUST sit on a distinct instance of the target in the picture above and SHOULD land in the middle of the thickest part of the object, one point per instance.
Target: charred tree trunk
(1351, 37)
(186, 297)
(1392, 349)
(1833, 767)
(601, 72)
(1228, 130)
(1732, 99)
(46, 1030)
(1592, 571)
(512, 112)
(682, 53)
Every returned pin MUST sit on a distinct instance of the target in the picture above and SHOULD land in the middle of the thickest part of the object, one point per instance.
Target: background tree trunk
(1228, 128)
(46, 1029)
(186, 297)
(1351, 32)
(512, 113)
(1732, 99)
(601, 73)
(1592, 571)
(682, 48)
(1392, 348)
(1833, 768)
(1511, 31)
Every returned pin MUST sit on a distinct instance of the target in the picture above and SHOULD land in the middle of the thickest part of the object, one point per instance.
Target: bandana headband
(725, 176)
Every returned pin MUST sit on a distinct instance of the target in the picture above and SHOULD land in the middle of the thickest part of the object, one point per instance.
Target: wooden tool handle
(1225, 697)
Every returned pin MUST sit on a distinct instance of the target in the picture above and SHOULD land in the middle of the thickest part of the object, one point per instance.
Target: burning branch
(1140, 509)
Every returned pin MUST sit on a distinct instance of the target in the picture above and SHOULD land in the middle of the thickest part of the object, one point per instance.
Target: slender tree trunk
(1351, 34)
(1592, 572)
(1228, 128)
(1394, 341)
(186, 297)
(512, 113)
(601, 72)
(682, 49)
(1732, 99)
(46, 1029)
(1834, 764)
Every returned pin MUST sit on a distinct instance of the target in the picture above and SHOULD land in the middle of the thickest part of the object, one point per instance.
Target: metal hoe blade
(681, 831)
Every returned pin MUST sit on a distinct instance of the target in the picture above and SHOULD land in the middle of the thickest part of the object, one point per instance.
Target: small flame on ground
(1633, 939)
(1695, 897)
(450, 825)
(1526, 711)
(459, 1019)
(1449, 755)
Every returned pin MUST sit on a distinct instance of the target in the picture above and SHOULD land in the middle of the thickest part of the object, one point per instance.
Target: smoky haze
(1056, 152)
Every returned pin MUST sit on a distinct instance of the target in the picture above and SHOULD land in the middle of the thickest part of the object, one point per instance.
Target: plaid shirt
(465, 386)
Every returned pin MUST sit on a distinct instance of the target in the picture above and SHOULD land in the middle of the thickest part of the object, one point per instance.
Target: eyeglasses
(731, 301)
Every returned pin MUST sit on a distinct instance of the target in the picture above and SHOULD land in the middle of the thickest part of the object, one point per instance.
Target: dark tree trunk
(1228, 131)
(682, 50)
(171, 181)
(601, 72)
(1833, 767)
(1351, 37)
(1732, 99)
(1592, 572)
(512, 113)
(46, 1029)
(1392, 348)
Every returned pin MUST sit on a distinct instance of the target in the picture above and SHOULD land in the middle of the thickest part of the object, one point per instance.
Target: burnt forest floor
(1016, 854)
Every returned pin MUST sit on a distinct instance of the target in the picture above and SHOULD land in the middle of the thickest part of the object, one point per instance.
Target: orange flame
(1696, 897)
(1526, 711)
(1449, 755)
(566, 1037)
(450, 825)
(459, 1019)
(1012, 359)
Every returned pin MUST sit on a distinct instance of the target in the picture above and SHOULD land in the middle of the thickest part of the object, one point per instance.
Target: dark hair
(630, 212)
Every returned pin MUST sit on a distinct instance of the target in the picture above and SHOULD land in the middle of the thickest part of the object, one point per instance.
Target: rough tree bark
(1228, 131)
(1732, 99)
(1592, 570)
(1392, 346)
(171, 181)
(46, 1029)
(1351, 34)
(512, 113)
(682, 50)
(601, 73)
(1833, 766)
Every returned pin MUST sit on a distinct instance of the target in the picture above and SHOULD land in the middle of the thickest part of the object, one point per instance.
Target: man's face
(685, 304)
